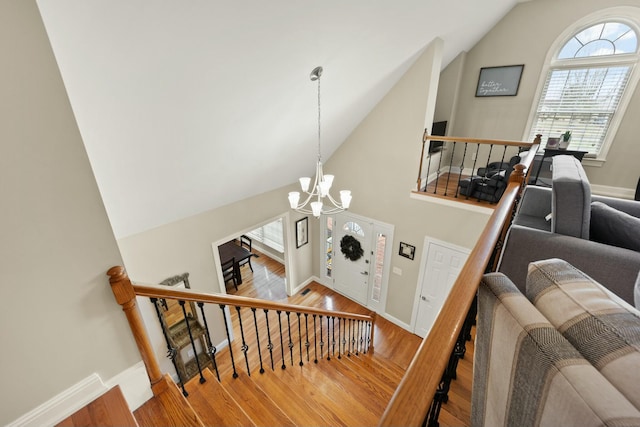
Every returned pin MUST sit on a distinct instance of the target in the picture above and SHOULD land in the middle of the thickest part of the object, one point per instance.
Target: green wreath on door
(351, 248)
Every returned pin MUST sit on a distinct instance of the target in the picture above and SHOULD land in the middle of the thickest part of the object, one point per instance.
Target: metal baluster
(333, 335)
(321, 342)
(300, 338)
(486, 168)
(306, 327)
(315, 345)
(255, 323)
(328, 339)
(450, 164)
(349, 339)
(193, 343)
(281, 340)
(358, 337)
(226, 327)
(339, 329)
(212, 348)
(464, 156)
(290, 345)
(353, 337)
(270, 345)
(435, 188)
(428, 168)
(244, 347)
(344, 335)
(473, 168)
(171, 351)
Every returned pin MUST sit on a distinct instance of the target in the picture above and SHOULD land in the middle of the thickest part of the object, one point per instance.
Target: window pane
(612, 38)
(328, 239)
(381, 241)
(582, 100)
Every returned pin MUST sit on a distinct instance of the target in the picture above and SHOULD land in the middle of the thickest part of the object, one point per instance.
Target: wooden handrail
(156, 291)
(427, 137)
(411, 401)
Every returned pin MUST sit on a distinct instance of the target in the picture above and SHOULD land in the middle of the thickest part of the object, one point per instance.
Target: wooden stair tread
(256, 402)
(109, 409)
(213, 403)
(167, 408)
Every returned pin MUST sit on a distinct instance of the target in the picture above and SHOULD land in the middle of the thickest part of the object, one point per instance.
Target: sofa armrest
(613, 267)
(631, 207)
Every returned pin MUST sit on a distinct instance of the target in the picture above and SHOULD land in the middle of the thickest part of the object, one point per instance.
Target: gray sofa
(602, 240)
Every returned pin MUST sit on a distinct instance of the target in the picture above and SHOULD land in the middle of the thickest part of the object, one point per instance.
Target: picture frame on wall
(407, 250)
(302, 232)
(499, 81)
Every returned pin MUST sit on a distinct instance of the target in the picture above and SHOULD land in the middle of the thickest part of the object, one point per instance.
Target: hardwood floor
(350, 388)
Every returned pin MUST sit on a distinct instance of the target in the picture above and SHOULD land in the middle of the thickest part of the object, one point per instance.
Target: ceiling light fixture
(316, 194)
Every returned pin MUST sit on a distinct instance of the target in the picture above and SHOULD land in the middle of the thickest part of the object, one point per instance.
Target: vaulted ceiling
(174, 98)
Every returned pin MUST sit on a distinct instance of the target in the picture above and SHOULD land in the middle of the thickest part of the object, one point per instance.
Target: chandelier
(318, 193)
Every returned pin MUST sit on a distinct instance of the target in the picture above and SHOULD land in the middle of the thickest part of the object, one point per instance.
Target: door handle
(366, 273)
(423, 298)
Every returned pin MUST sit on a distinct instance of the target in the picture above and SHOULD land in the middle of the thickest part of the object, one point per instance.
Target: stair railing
(424, 387)
(462, 167)
(292, 333)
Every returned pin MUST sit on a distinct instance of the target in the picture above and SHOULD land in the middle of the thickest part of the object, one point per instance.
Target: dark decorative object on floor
(351, 248)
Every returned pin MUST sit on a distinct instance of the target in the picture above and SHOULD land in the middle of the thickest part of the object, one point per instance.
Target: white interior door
(351, 277)
(443, 264)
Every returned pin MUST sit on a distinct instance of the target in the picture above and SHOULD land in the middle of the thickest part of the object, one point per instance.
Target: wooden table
(232, 250)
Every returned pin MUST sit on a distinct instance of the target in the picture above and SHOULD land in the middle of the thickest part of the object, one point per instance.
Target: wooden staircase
(347, 391)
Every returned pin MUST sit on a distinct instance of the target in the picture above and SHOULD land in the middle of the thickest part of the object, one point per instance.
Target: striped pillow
(600, 325)
(527, 374)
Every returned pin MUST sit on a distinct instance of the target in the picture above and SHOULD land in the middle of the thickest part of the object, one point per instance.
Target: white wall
(524, 37)
(59, 321)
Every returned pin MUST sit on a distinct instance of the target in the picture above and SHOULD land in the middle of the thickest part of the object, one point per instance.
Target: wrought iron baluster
(333, 335)
(435, 188)
(306, 327)
(353, 337)
(211, 351)
(450, 164)
(193, 343)
(339, 339)
(226, 327)
(315, 345)
(281, 340)
(300, 338)
(171, 351)
(245, 346)
(349, 338)
(255, 323)
(358, 337)
(428, 169)
(270, 344)
(290, 345)
(321, 342)
(328, 339)
(464, 156)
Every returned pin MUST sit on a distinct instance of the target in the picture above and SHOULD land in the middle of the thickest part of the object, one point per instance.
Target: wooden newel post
(126, 297)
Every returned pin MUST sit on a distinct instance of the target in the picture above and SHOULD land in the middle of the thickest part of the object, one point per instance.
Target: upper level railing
(469, 168)
(270, 333)
(413, 402)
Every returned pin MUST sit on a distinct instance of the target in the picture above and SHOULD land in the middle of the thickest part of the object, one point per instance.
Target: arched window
(587, 85)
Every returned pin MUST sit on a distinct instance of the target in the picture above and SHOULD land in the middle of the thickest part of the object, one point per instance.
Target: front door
(352, 256)
(443, 265)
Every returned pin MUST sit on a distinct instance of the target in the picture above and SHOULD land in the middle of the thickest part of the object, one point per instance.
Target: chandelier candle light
(321, 184)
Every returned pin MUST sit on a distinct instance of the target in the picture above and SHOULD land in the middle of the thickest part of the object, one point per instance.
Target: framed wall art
(302, 232)
(407, 250)
(499, 81)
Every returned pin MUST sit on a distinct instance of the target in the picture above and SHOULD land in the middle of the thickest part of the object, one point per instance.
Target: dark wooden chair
(245, 242)
(229, 272)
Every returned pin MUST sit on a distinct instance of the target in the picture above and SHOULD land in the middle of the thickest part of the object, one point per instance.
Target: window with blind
(585, 85)
(270, 235)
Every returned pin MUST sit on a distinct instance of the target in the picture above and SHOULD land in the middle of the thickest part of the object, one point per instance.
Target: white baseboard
(135, 385)
(305, 283)
(396, 322)
(64, 404)
(619, 192)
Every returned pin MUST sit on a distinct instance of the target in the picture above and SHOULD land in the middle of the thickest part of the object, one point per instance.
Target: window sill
(593, 162)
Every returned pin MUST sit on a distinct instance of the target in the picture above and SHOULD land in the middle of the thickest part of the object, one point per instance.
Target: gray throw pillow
(613, 227)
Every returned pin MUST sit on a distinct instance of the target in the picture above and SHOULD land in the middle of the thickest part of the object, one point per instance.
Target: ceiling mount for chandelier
(318, 193)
